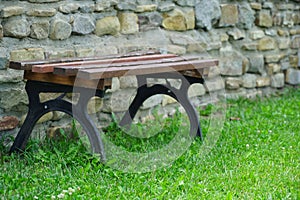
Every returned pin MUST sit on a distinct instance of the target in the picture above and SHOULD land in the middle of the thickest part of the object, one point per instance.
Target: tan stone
(196, 90)
(27, 54)
(174, 20)
(12, 11)
(175, 49)
(274, 58)
(168, 100)
(107, 26)
(267, 43)
(146, 8)
(233, 83)
(263, 81)
(224, 37)
(294, 61)
(250, 46)
(282, 32)
(295, 43)
(45, 118)
(295, 31)
(94, 105)
(84, 52)
(273, 68)
(257, 34)
(256, 6)
(60, 53)
(190, 18)
(230, 15)
(128, 22)
(42, 12)
(264, 19)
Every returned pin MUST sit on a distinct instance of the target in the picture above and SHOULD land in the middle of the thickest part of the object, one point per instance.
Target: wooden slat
(27, 65)
(72, 70)
(70, 81)
(46, 68)
(100, 73)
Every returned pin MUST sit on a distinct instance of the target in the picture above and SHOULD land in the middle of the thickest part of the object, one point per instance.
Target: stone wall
(256, 41)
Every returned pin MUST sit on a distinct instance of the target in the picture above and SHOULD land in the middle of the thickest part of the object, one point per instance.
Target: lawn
(257, 156)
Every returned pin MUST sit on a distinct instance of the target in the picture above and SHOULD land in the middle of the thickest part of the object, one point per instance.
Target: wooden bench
(93, 76)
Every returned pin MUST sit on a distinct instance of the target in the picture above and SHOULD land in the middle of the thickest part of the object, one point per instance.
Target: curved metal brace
(144, 92)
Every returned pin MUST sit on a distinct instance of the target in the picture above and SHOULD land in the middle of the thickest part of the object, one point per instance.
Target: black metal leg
(180, 95)
(38, 109)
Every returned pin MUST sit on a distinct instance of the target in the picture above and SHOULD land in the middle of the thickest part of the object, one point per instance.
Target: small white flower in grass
(181, 183)
(71, 190)
(35, 197)
(270, 131)
(64, 191)
(283, 148)
(61, 196)
(53, 197)
(78, 188)
(247, 145)
(291, 146)
(258, 131)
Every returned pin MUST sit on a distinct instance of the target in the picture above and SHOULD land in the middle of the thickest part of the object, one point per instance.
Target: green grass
(257, 156)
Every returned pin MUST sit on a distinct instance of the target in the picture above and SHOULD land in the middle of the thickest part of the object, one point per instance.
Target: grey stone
(246, 16)
(292, 76)
(207, 13)
(277, 81)
(88, 7)
(128, 82)
(271, 32)
(12, 96)
(273, 68)
(152, 101)
(257, 64)
(214, 84)
(236, 34)
(250, 46)
(268, 5)
(3, 62)
(196, 90)
(149, 21)
(273, 58)
(166, 6)
(60, 29)
(18, 28)
(126, 6)
(231, 61)
(284, 43)
(249, 80)
(40, 30)
(10, 76)
(69, 8)
(83, 25)
(190, 3)
(118, 101)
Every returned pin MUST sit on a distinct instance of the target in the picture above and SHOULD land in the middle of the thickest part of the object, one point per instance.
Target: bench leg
(144, 92)
(38, 109)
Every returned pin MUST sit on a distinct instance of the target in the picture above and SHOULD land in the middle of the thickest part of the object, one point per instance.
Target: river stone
(60, 29)
(40, 30)
(195, 90)
(107, 26)
(284, 43)
(277, 81)
(256, 34)
(83, 25)
(295, 43)
(12, 11)
(233, 83)
(207, 13)
(18, 28)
